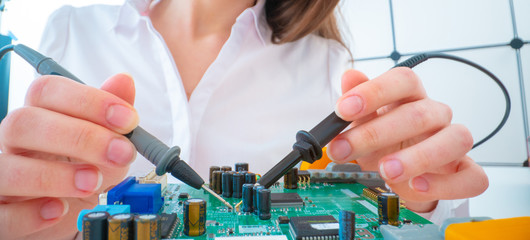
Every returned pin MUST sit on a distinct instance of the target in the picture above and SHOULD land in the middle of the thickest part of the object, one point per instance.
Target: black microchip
(283, 219)
(184, 195)
(314, 227)
(168, 222)
(286, 200)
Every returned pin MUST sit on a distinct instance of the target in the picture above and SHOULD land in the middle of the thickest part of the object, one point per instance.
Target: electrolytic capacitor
(248, 197)
(227, 184)
(95, 226)
(242, 166)
(346, 225)
(147, 227)
(255, 197)
(217, 182)
(290, 179)
(250, 177)
(212, 169)
(388, 208)
(194, 217)
(264, 204)
(226, 168)
(121, 227)
(237, 185)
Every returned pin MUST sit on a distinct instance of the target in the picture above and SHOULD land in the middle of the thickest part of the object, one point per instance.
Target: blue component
(111, 209)
(5, 64)
(143, 198)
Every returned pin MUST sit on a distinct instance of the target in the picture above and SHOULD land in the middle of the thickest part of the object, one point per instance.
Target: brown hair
(291, 20)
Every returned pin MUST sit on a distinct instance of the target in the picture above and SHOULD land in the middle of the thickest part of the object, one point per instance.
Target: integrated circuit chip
(168, 222)
(314, 227)
(286, 200)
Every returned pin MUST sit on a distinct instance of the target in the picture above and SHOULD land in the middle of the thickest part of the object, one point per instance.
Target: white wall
(420, 25)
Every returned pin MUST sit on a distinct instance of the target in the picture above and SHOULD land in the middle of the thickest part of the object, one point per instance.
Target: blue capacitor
(248, 205)
(264, 204)
(255, 197)
(237, 185)
(227, 184)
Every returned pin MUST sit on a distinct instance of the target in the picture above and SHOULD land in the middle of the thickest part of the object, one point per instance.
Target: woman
(227, 81)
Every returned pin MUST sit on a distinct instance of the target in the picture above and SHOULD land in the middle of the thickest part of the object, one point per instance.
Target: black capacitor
(248, 197)
(121, 227)
(212, 169)
(147, 227)
(227, 184)
(290, 179)
(346, 225)
(95, 226)
(226, 168)
(217, 186)
(242, 166)
(264, 204)
(194, 217)
(237, 185)
(388, 208)
(255, 197)
(250, 177)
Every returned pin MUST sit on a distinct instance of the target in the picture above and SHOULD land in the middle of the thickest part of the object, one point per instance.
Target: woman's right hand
(59, 151)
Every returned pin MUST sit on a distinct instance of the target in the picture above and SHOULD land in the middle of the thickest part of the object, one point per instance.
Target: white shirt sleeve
(447, 209)
(54, 37)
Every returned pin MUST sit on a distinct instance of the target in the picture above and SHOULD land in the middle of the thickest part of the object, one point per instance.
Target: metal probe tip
(217, 196)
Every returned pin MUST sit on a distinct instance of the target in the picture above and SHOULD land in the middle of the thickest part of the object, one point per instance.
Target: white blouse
(247, 107)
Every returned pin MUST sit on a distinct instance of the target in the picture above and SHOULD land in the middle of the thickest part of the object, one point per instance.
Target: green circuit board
(318, 199)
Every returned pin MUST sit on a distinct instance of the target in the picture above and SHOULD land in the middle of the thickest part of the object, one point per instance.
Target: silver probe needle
(217, 196)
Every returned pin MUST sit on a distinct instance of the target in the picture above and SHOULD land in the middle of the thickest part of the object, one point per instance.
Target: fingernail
(120, 151)
(349, 106)
(53, 208)
(391, 169)
(121, 116)
(88, 180)
(419, 184)
(339, 150)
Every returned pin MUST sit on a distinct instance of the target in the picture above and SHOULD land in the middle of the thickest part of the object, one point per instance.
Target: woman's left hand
(406, 136)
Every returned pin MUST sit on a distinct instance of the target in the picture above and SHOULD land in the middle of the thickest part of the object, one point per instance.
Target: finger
(442, 148)
(46, 131)
(23, 218)
(63, 95)
(122, 86)
(405, 122)
(398, 84)
(470, 180)
(351, 78)
(28, 177)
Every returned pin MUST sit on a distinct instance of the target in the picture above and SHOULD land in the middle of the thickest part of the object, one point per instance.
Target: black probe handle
(166, 159)
(328, 129)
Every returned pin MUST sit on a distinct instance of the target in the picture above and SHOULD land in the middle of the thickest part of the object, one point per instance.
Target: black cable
(415, 60)
(6, 49)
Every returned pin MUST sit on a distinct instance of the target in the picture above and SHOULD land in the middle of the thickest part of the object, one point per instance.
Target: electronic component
(226, 168)
(388, 208)
(290, 179)
(314, 227)
(147, 227)
(183, 195)
(346, 225)
(217, 182)
(413, 232)
(248, 196)
(143, 198)
(250, 177)
(255, 190)
(168, 223)
(120, 227)
(264, 204)
(95, 225)
(286, 200)
(237, 185)
(283, 219)
(111, 209)
(242, 166)
(194, 219)
(212, 169)
(152, 177)
(227, 184)
(372, 193)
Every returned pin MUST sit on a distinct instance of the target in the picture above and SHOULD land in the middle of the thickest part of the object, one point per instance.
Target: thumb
(122, 86)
